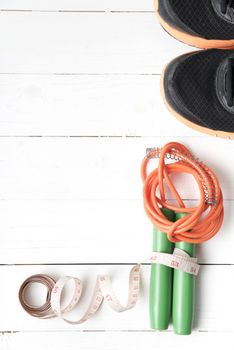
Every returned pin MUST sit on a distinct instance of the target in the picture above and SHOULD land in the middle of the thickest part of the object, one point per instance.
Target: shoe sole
(190, 39)
(181, 118)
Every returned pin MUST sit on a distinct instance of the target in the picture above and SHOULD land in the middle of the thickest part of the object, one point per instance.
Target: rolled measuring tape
(103, 290)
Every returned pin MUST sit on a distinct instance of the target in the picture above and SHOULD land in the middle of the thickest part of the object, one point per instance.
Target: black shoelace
(225, 4)
(230, 82)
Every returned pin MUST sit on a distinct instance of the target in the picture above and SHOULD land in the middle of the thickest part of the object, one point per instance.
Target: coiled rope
(203, 221)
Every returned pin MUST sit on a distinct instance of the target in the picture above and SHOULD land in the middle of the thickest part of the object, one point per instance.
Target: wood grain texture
(113, 340)
(78, 105)
(90, 231)
(212, 313)
(97, 168)
(77, 5)
(60, 194)
(48, 43)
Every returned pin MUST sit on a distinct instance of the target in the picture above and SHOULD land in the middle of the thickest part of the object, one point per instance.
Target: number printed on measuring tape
(103, 290)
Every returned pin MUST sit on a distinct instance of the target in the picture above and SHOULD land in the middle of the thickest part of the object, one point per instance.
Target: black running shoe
(198, 88)
(202, 23)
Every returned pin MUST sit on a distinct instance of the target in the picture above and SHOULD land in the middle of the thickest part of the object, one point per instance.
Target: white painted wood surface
(79, 105)
(37, 104)
(210, 314)
(77, 5)
(113, 340)
(114, 43)
(54, 186)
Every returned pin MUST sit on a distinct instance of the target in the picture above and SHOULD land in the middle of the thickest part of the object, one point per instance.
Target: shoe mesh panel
(194, 85)
(199, 15)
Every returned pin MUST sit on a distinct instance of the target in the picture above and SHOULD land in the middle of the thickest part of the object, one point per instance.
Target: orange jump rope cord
(203, 221)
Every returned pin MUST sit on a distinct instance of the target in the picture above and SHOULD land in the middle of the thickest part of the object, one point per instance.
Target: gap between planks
(79, 74)
(101, 264)
(76, 11)
(170, 331)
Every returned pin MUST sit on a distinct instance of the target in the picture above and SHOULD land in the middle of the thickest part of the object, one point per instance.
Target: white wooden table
(79, 105)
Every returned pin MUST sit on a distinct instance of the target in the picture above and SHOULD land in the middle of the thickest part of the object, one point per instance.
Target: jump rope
(177, 230)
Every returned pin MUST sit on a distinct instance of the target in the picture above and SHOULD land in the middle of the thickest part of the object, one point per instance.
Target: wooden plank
(97, 168)
(121, 43)
(78, 5)
(212, 314)
(96, 105)
(51, 188)
(71, 231)
(115, 340)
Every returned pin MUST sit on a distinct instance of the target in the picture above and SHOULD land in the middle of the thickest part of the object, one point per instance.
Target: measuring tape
(103, 290)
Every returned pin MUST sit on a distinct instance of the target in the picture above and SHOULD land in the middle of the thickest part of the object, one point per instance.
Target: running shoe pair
(198, 87)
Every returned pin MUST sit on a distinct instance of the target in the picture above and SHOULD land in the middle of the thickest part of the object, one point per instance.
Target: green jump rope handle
(183, 293)
(161, 281)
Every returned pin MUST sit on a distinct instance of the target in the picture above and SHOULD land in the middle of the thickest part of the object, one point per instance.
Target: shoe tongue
(225, 84)
(224, 9)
